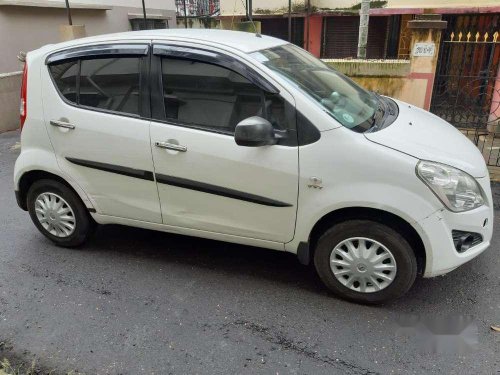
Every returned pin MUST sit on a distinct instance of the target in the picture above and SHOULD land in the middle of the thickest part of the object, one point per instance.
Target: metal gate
(340, 37)
(467, 89)
(278, 27)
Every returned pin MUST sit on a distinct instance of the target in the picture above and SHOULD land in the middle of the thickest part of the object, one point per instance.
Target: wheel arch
(366, 213)
(28, 178)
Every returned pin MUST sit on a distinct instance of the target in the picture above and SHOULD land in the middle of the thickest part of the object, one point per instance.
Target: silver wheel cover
(363, 265)
(55, 215)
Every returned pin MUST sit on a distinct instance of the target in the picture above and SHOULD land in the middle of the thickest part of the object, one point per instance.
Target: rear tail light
(22, 104)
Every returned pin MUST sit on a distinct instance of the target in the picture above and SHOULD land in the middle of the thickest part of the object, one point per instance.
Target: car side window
(65, 76)
(111, 84)
(215, 98)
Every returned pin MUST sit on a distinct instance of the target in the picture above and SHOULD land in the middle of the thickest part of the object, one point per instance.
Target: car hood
(425, 136)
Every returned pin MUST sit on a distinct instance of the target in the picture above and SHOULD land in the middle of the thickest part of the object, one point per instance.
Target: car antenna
(257, 34)
(249, 15)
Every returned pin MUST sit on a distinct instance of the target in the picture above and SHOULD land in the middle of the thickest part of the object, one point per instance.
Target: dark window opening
(340, 37)
(65, 77)
(111, 84)
(278, 28)
(212, 97)
(151, 24)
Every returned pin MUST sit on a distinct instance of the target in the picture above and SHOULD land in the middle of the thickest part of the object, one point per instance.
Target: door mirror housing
(254, 131)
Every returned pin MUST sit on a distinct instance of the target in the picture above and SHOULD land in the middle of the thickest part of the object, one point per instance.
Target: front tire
(365, 261)
(58, 213)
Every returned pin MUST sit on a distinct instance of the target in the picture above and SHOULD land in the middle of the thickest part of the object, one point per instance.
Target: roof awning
(53, 4)
(151, 16)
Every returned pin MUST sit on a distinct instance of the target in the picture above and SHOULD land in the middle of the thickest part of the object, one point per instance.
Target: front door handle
(171, 146)
(62, 124)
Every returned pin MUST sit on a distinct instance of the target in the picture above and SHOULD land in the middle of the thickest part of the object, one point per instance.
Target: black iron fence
(467, 89)
(487, 142)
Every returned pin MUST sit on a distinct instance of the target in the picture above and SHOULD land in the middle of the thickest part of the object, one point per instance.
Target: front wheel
(365, 261)
(58, 213)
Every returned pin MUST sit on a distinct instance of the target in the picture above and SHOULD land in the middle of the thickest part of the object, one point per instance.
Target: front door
(205, 180)
(96, 111)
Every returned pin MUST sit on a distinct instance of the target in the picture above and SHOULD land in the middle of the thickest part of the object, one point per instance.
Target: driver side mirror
(254, 131)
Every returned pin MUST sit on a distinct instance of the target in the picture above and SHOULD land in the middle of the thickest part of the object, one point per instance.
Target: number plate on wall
(424, 49)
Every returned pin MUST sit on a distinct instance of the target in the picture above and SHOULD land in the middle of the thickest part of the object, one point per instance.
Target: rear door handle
(62, 124)
(171, 146)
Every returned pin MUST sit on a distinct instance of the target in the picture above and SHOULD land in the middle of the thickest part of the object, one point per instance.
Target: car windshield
(351, 105)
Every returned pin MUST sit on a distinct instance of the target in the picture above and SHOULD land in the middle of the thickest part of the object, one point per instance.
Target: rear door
(96, 104)
(205, 180)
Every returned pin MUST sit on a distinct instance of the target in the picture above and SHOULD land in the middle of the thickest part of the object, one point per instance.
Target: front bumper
(436, 233)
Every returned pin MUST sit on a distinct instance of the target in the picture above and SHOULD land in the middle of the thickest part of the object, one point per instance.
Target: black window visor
(96, 51)
(215, 58)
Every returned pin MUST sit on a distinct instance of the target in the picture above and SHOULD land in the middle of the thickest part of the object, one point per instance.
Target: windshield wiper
(379, 113)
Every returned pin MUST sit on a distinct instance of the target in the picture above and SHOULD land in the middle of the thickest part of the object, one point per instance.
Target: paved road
(135, 301)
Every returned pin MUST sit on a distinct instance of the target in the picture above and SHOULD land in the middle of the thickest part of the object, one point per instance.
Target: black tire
(401, 250)
(84, 224)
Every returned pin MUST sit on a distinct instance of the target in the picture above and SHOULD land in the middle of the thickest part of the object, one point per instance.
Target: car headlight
(456, 189)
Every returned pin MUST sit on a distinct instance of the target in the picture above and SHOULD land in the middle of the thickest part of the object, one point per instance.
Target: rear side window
(213, 97)
(110, 84)
(65, 77)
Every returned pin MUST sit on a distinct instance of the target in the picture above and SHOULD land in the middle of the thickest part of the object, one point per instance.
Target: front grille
(463, 241)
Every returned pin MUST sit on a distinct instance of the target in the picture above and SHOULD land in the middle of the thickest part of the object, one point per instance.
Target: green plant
(262, 11)
(8, 369)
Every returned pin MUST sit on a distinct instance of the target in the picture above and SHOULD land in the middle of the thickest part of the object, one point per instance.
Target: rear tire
(366, 262)
(58, 213)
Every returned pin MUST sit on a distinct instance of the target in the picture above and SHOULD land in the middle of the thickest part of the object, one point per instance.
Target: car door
(205, 180)
(96, 104)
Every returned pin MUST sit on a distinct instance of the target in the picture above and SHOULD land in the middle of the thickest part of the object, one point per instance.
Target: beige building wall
(441, 3)
(230, 7)
(334, 4)
(29, 24)
(25, 28)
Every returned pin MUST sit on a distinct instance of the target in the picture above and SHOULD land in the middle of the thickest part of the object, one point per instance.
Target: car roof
(243, 41)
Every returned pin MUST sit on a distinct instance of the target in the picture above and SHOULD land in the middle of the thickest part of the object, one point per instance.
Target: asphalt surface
(135, 301)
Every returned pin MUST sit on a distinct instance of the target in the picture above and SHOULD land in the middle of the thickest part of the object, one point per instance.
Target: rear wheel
(365, 261)
(58, 213)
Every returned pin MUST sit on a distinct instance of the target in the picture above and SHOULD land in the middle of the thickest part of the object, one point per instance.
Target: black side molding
(131, 172)
(218, 190)
(179, 182)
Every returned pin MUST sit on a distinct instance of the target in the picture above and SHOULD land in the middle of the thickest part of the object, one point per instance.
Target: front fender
(358, 173)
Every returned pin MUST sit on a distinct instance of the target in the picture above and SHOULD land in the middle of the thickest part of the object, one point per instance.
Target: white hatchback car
(248, 139)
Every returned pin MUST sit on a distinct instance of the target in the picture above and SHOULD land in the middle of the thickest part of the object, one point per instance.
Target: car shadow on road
(223, 257)
(232, 260)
